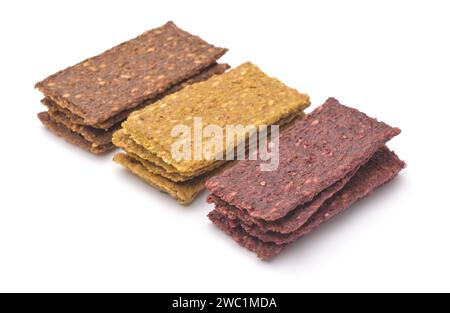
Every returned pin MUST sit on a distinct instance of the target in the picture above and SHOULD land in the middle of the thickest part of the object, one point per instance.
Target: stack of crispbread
(86, 103)
(329, 160)
(242, 96)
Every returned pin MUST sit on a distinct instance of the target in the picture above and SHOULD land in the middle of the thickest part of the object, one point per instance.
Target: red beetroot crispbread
(328, 161)
(291, 222)
(381, 168)
(264, 250)
(315, 153)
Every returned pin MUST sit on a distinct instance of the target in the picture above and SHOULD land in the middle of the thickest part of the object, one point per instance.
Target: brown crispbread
(92, 98)
(127, 75)
(215, 69)
(91, 134)
(72, 137)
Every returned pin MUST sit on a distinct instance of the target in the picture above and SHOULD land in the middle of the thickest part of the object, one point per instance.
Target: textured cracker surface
(158, 170)
(161, 175)
(122, 140)
(184, 192)
(291, 222)
(315, 153)
(130, 73)
(72, 137)
(114, 121)
(242, 96)
(99, 140)
(93, 135)
(382, 168)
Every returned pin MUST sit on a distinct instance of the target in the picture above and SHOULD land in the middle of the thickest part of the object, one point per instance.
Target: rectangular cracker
(157, 166)
(242, 96)
(163, 176)
(382, 168)
(112, 122)
(382, 156)
(315, 153)
(129, 74)
(99, 139)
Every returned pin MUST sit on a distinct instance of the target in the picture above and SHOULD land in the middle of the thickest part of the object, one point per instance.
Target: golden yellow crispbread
(242, 96)
(122, 140)
(183, 192)
(157, 166)
(155, 169)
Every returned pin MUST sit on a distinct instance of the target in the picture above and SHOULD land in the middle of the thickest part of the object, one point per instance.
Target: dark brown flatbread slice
(215, 69)
(127, 75)
(382, 168)
(72, 137)
(62, 122)
(315, 153)
(91, 134)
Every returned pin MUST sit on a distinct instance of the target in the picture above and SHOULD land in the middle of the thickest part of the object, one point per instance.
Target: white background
(71, 221)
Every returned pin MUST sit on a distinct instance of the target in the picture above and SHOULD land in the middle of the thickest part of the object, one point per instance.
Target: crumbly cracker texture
(130, 73)
(242, 96)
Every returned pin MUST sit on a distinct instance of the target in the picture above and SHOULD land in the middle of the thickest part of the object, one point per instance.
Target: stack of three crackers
(86, 103)
(243, 96)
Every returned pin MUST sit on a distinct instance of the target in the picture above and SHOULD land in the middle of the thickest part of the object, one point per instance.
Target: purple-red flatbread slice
(382, 168)
(382, 156)
(288, 224)
(315, 153)
(264, 250)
